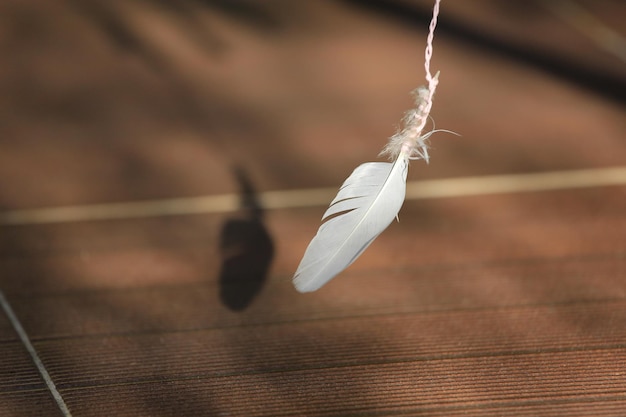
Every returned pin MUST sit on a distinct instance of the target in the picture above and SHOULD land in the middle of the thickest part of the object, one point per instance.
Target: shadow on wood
(246, 250)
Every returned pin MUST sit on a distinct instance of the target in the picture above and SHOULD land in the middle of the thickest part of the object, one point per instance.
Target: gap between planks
(438, 188)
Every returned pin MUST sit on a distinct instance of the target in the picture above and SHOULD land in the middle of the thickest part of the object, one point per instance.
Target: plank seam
(283, 199)
(34, 356)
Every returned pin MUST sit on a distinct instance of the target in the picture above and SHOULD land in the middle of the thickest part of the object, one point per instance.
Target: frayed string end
(409, 139)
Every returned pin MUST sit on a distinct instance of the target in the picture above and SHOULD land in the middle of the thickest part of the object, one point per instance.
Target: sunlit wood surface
(208, 136)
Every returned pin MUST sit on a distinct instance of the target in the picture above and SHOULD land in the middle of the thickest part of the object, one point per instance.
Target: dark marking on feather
(335, 215)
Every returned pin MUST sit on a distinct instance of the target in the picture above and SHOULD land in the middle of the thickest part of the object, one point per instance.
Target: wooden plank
(382, 389)
(500, 304)
(22, 391)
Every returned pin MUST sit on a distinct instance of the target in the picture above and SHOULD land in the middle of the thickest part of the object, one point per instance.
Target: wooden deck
(163, 168)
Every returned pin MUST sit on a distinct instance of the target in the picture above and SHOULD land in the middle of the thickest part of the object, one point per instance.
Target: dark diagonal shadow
(609, 86)
(246, 250)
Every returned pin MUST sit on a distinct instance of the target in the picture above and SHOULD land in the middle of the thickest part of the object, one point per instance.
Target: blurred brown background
(511, 303)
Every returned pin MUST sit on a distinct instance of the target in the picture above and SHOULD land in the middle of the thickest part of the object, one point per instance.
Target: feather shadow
(246, 249)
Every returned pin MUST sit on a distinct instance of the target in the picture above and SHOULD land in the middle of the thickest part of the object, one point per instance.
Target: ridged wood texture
(492, 305)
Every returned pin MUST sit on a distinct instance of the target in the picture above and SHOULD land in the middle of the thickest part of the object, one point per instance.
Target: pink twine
(410, 140)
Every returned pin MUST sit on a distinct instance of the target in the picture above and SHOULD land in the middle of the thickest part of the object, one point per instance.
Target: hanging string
(428, 53)
(409, 139)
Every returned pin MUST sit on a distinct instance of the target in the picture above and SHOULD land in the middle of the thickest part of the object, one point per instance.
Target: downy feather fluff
(371, 197)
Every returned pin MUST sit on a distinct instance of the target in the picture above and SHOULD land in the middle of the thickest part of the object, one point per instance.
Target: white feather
(371, 197)
(366, 204)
